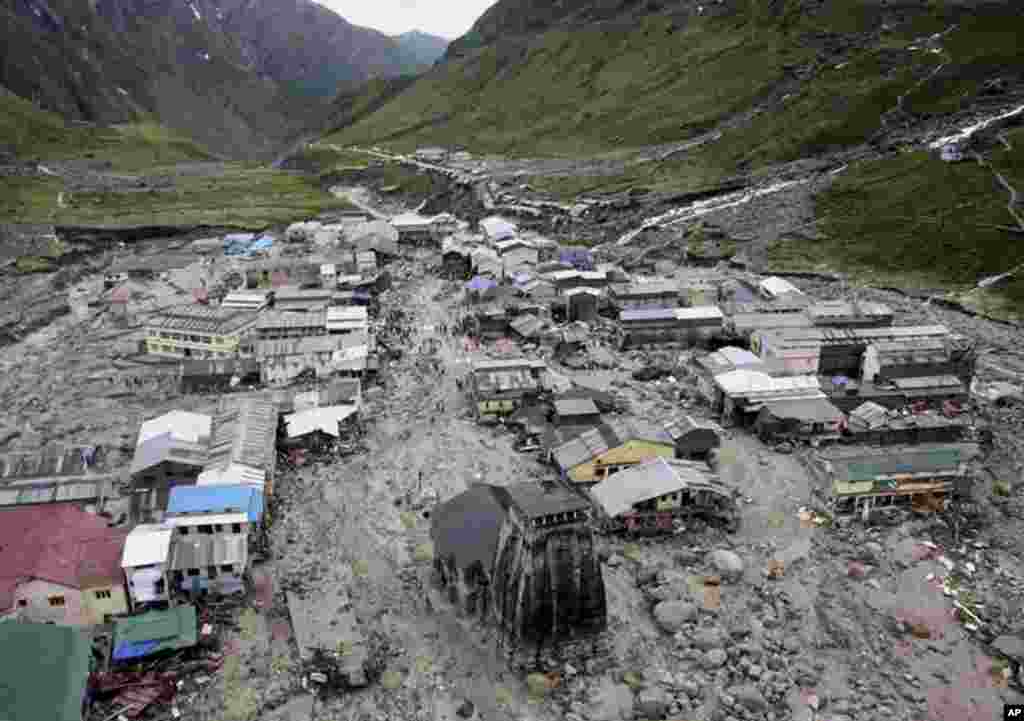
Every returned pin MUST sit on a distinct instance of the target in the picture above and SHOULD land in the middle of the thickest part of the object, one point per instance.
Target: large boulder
(715, 658)
(708, 638)
(728, 564)
(671, 616)
(652, 704)
(750, 698)
(612, 702)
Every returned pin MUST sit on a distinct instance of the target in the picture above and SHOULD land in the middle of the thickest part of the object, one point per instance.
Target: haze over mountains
(240, 77)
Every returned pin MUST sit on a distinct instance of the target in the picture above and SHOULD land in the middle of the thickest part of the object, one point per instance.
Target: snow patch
(195, 11)
(972, 129)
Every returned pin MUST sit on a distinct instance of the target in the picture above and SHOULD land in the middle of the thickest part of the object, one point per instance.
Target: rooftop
(182, 425)
(147, 544)
(318, 419)
(44, 671)
(61, 544)
(618, 493)
(201, 319)
(244, 434)
(155, 631)
(576, 407)
(216, 499)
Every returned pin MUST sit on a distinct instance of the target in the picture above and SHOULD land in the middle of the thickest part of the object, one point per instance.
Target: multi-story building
(193, 331)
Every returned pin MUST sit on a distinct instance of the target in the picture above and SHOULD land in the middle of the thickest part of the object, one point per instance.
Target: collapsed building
(522, 557)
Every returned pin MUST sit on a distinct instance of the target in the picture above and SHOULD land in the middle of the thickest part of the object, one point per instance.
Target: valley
(572, 280)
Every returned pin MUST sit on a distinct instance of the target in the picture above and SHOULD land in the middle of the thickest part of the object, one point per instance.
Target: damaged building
(195, 331)
(662, 495)
(668, 326)
(860, 482)
(592, 455)
(499, 387)
(522, 557)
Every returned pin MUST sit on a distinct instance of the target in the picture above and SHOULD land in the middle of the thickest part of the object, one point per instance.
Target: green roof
(153, 632)
(43, 672)
(920, 461)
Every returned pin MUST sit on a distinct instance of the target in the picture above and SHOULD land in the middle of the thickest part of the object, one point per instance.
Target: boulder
(652, 704)
(750, 698)
(715, 658)
(612, 702)
(728, 564)
(708, 638)
(672, 615)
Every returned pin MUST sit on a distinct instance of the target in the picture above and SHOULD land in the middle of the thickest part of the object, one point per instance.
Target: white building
(144, 560)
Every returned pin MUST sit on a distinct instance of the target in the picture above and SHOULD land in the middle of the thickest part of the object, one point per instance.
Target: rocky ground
(852, 623)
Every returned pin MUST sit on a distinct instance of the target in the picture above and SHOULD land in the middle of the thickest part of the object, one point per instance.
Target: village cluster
(292, 331)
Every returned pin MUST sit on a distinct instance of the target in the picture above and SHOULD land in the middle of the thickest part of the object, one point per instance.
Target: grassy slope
(595, 90)
(915, 217)
(244, 195)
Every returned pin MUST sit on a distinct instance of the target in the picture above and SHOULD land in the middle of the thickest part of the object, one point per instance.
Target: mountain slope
(241, 76)
(686, 95)
(422, 48)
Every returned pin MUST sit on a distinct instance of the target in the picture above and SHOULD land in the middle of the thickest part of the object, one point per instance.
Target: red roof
(57, 543)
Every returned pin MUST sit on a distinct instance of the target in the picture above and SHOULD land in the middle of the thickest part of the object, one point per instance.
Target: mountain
(699, 95)
(240, 76)
(422, 48)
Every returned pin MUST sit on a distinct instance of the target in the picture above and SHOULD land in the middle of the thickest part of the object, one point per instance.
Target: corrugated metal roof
(807, 410)
(201, 319)
(507, 364)
(870, 415)
(202, 551)
(45, 671)
(147, 544)
(741, 382)
(182, 425)
(297, 346)
(293, 293)
(576, 407)
(618, 493)
(843, 309)
(166, 447)
(646, 289)
(699, 312)
(642, 314)
(245, 434)
(927, 382)
(775, 286)
(216, 499)
(155, 631)
(283, 319)
(234, 474)
(908, 461)
(318, 419)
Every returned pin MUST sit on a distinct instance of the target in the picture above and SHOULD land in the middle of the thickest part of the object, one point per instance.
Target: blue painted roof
(216, 499)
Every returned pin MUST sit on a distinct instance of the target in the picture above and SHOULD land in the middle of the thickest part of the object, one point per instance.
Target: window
(206, 529)
(105, 593)
(179, 576)
(236, 527)
(193, 572)
(211, 571)
(22, 603)
(227, 568)
(218, 528)
(183, 530)
(56, 601)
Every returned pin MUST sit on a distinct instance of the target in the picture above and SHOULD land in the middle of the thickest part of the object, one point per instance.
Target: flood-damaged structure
(522, 557)
(499, 387)
(862, 481)
(662, 495)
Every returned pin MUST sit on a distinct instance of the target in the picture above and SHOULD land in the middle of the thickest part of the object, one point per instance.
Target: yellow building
(198, 332)
(593, 455)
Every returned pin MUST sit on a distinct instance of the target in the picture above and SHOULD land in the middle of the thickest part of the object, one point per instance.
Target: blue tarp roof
(262, 243)
(480, 283)
(216, 499)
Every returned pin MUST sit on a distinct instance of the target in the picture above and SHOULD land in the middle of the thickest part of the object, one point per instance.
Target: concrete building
(500, 387)
(145, 564)
(593, 455)
(194, 331)
(60, 565)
